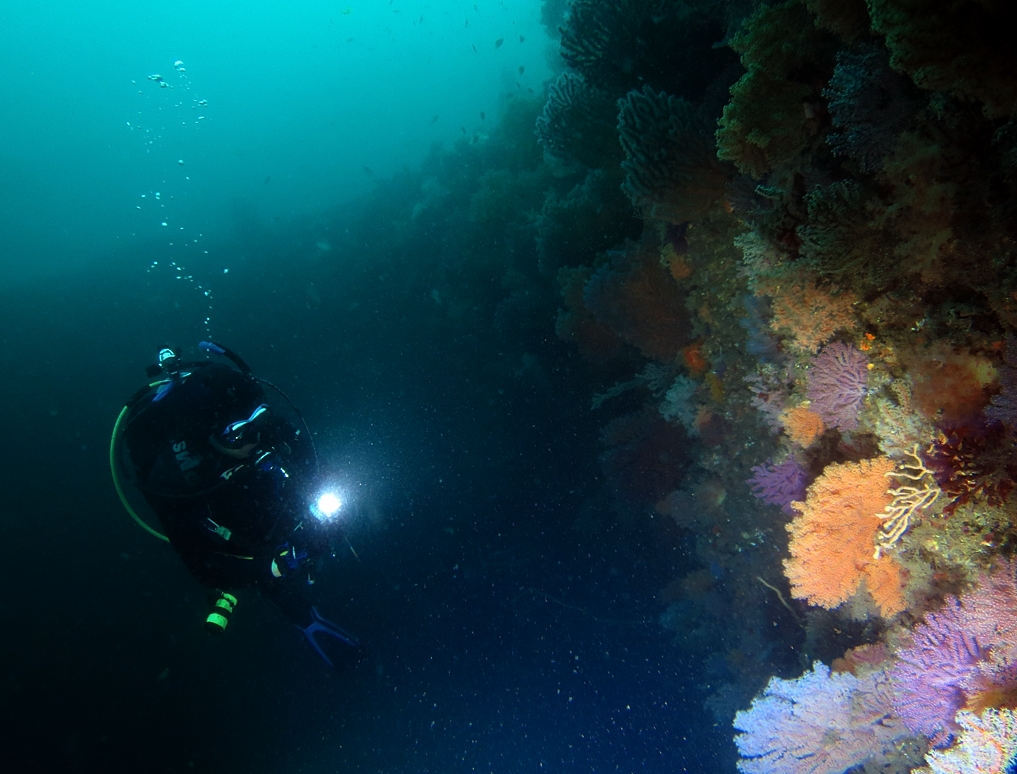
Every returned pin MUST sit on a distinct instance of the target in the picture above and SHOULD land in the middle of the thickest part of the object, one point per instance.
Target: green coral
(964, 49)
(848, 19)
(764, 124)
(773, 113)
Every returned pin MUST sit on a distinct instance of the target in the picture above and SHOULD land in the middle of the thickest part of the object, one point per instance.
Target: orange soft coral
(802, 425)
(833, 538)
(810, 314)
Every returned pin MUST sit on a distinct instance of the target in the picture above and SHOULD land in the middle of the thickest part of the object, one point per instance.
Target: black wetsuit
(228, 513)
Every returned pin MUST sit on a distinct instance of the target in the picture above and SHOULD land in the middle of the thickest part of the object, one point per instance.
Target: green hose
(116, 477)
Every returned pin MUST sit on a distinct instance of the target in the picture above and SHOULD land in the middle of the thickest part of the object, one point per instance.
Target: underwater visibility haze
(662, 353)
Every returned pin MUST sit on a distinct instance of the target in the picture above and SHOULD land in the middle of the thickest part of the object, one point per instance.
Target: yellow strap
(116, 478)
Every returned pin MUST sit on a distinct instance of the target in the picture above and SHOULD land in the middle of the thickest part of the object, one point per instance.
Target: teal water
(281, 111)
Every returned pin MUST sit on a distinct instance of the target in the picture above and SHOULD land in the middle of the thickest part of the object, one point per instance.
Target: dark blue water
(496, 635)
(542, 276)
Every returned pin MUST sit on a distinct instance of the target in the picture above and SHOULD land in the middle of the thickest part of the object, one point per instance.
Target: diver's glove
(321, 625)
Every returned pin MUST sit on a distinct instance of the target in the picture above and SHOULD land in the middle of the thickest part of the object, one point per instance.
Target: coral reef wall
(821, 292)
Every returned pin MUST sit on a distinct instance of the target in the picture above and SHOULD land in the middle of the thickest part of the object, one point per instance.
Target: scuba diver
(230, 479)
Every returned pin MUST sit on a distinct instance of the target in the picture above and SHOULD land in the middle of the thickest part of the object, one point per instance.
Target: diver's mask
(169, 360)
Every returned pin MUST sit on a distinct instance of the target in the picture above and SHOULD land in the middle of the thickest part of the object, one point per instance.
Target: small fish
(467, 23)
(498, 42)
(346, 11)
(475, 7)
(522, 69)
(522, 39)
(421, 21)
(349, 40)
(434, 120)
(463, 128)
(474, 49)
(267, 179)
(530, 90)
(483, 116)
(368, 170)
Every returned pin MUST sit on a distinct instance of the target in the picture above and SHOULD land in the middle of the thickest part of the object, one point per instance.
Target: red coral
(972, 462)
(638, 299)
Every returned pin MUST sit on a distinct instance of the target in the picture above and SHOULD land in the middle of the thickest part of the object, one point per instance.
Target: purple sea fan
(778, 484)
(989, 612)
(837, 385)
(821, 723)
(930, 673)
(1003, 407)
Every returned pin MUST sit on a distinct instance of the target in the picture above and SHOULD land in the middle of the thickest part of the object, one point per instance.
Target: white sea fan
(678, 405)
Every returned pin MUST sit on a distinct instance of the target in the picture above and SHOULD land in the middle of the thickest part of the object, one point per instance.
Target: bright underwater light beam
(326, 506)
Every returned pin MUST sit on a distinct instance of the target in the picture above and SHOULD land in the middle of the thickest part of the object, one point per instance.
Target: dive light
(326, 506)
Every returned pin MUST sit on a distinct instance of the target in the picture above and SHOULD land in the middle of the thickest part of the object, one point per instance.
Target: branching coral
(870, 104)
(779, 484)
(802, 425)
(837, 385)
(972, 463)
(636, 297)
(821, 723)
(809, 314)
(578, 122)
(834, 536)
(671, 170)
(916, 491)
(619, 45)
(843, 240)
(987, 745)
(930, 672)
